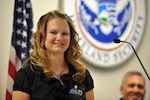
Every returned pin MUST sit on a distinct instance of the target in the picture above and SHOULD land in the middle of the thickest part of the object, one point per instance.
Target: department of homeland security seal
(99, 22)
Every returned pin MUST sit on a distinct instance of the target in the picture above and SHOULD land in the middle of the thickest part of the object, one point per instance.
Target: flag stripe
(14, 59)
(8, 95)
(10, 83)
(11, 70)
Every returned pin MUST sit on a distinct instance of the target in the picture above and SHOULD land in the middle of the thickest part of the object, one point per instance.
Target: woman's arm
(90, 95)
(19, 95)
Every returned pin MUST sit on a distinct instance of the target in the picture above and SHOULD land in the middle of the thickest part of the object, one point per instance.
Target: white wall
(107, 82)
(5, 35)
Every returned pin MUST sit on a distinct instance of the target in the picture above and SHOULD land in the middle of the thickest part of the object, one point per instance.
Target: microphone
(118, 41)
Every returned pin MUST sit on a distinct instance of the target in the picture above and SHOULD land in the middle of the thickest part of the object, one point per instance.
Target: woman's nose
(59, 36)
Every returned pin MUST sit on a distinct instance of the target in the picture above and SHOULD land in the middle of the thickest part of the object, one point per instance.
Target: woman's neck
(57, 61)
(58, 67)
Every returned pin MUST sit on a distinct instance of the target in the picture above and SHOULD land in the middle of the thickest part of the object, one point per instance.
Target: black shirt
(41, 87)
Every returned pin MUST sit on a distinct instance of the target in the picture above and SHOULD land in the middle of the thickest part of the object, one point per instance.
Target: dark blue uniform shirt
(40, 87)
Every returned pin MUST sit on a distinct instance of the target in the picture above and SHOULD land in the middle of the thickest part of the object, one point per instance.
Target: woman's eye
(65, 33)
(53, 32)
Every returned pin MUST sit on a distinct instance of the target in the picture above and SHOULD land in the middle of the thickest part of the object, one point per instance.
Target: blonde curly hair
(39, 55)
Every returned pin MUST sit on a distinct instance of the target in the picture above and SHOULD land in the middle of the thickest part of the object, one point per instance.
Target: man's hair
(130, 73)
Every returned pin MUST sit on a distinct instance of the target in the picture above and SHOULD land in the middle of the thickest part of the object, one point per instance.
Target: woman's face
(57, 36)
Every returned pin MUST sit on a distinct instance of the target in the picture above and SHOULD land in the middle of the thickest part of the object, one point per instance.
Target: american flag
(21, 41)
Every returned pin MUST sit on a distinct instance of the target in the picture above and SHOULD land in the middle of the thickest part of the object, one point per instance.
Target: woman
(53, 71)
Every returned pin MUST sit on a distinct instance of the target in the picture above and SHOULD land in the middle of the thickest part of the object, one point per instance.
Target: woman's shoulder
(24, 78)
(88, 82)
(28, 70)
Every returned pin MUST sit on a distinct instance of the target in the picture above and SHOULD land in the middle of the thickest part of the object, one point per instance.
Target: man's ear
(144, 92)
(121, 89)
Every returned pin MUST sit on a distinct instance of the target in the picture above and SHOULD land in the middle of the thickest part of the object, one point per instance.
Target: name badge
(76, 92)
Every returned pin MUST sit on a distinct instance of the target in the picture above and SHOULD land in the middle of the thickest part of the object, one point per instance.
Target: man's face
(133, 88)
